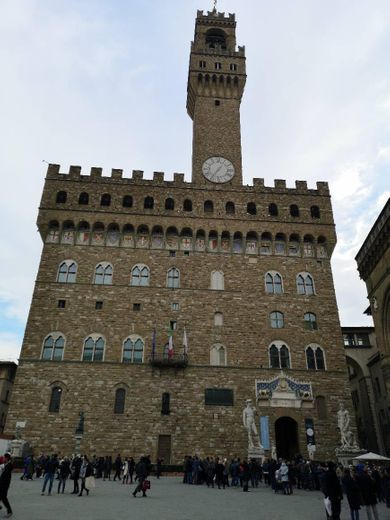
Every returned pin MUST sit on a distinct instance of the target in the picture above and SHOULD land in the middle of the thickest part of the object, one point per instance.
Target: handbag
(90, 482)
(146, 485)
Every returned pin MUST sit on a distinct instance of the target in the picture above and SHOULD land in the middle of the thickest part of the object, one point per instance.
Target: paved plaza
(168, 499)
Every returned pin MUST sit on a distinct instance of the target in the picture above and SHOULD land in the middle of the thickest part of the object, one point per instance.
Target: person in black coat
(141, 470)
(332, 490)
(5, 480)
(352, 491)
(367, 490)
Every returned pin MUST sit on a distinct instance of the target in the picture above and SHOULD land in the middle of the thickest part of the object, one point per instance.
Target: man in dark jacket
(5, 480)
(50, 470)
(141, 470)
(332, 490)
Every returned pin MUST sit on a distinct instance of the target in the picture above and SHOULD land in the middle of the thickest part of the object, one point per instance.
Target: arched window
(217, 281)
(103, 274)
(169, 204)
(84, 198)
(315, 358)
(218, 356)
(305, 284)
(208, 206)
(53, 347)
(67, 272)
(61, 197)
(173, 278)
(127, 201)
(216, 39)
(315, 212)
(310, 320)
(273, 283)
(280, 244)
(55, 399)
(294, 210)
(93, 348)
(187, 205)
(277, 320)
(120, 398)
(279, 355)
(321, 408)
(251, 208)
(105, 200)
(140, 276)
(133, 350)
(165, 404)
(218, 319)
(148, 203)
(230, 208)
(273, 210)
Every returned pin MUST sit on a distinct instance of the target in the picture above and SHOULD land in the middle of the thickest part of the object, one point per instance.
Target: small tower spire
(215, 6)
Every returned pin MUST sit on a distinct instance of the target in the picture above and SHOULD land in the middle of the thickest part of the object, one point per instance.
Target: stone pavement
(168, 499)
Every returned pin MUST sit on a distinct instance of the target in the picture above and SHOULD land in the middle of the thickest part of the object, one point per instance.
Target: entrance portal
(164, 448)
(286, 436)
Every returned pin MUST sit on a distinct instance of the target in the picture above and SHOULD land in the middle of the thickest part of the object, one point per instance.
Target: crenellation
(258, 183)
(74, 171)
(138, 175)
(96, 173)
(280, 184)
(301, 185)
(323, 188)
(116, 173)
(53, 169)
(158, 177)
(178, 178)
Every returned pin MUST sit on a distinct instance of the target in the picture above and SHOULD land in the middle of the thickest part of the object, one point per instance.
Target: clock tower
(216, 83)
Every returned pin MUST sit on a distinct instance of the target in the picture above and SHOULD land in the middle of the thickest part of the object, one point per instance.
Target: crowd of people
(363, 486)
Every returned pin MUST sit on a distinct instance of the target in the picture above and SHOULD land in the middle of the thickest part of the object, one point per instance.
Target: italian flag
(170, 344)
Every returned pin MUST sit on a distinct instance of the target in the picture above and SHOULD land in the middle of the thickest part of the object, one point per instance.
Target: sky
(103, 83)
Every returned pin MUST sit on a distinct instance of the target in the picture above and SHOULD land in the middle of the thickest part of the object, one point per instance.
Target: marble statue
(311, 450)
(343, 422)
(248, 417)
(18, 443)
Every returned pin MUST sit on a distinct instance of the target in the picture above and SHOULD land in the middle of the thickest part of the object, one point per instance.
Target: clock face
(218, 169)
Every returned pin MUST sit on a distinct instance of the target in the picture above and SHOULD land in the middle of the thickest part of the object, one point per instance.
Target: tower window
(230, 208)
(127, 201)
(148, 203)
(98, 305)
(175, 306)
(251, 208)
(273, 210)
(93, 348)
(208, 206)
(84, 198)
(315, 212)
(105, 200)
(218, 65)
(202, 64)
(216, 38)
(133, 350)
(169, 204)
(61, 304)
(55, 400)
(233, 66)
(187, 205)
(120, 398)
(294, 210)
(217, 102)
(136, 307)
(61, 197)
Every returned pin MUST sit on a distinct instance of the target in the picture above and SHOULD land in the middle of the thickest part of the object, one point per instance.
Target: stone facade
(7, 378)
(239, 253)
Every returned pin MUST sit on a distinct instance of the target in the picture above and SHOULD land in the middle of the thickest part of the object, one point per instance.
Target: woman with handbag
(86, 471)
(141, 470)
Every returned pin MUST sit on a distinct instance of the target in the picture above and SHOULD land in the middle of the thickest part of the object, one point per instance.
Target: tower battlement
(96, 175)
(213, 16)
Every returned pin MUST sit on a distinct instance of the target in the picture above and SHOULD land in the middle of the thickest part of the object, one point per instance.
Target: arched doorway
(286, 436)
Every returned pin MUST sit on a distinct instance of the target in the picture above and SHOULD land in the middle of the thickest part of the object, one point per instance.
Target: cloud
(9, 346)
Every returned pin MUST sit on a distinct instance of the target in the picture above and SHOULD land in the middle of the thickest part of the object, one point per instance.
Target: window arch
(273, 283)
(120, 398)
(305, 284)
(61, 197)
(133, 350)
(308, 245)
(217, 280)
(140, 275)
(84, 198)
(55, 399)
(230, 208)
(218, 319)
(280, 244)
(127, 201)
(53, 347)
(251, 208)
(273, 210)
(94, 348)
(187, 205)
(105, 200)
(169, 204)
(148, 203)
(315, 357)
(279, 355)
(315, 212)
(208, 206)
(173, 278)
(103, 274)
(294, 210)
(218, 355)
(67, 272)
(310, 320)
(276, 320)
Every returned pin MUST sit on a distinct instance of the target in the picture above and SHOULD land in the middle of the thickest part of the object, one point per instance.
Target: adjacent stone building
(7, 378)
(160, 305)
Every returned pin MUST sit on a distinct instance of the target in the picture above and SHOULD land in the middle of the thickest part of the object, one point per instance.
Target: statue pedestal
(255, 453)
(16, 446)
(345, 455)
(77, 443)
